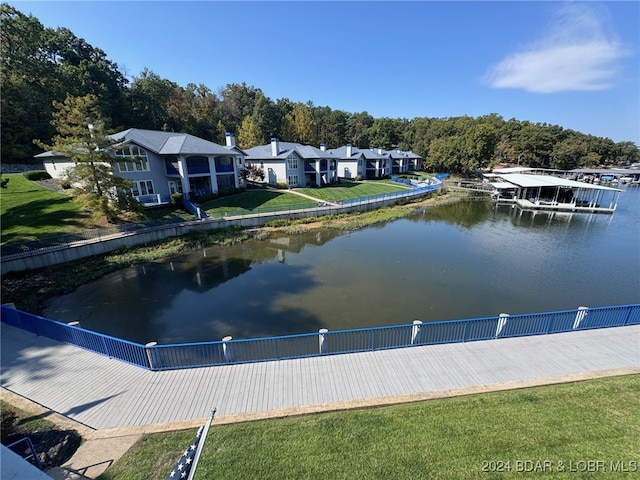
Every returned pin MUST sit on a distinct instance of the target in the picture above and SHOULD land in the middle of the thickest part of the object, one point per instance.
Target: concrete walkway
(110, 399)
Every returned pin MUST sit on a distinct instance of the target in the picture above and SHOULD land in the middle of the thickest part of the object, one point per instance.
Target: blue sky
(574, 64)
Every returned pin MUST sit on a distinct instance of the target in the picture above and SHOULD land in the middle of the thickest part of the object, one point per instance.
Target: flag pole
(203, 436)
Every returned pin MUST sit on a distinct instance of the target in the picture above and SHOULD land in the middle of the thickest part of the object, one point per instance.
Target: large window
(293, 179)
(132, 158)
(142, 187)
(292, 163)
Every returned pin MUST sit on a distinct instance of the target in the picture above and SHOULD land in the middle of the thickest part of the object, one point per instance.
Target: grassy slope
(440, 439)
(346, 190)
(29, 211)
(254, 199)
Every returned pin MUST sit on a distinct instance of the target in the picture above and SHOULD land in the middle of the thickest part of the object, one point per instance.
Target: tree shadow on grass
(41, 218)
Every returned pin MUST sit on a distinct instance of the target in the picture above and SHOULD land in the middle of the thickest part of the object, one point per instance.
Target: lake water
(461, 260)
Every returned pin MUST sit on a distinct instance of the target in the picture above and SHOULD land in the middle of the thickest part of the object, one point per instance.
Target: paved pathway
(105, 394)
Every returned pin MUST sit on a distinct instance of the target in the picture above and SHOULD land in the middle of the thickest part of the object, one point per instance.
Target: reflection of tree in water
(136, 303)
(465, 213)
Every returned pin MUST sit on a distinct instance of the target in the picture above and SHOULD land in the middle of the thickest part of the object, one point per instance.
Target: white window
(132, 158)
(142, 187)
(293, 179)
(292, 163)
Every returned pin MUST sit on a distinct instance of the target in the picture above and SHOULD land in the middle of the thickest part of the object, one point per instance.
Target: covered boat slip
(546, 192)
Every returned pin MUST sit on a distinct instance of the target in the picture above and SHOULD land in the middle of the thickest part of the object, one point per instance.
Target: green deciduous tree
(299, 126)
(249, 134)
(150, 99)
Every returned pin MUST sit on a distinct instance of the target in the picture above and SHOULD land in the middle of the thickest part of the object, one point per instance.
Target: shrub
(35, 175)
(282, 185)
(176, 198)
(8, 421)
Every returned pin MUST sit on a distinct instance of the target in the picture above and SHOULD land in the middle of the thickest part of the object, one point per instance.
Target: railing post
(502, 321)
(147, 351)
(322, 340)
(582, 312)
(227, 349)
(415, 331)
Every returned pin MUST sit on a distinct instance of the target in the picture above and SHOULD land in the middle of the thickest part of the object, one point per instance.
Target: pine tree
(81, 137)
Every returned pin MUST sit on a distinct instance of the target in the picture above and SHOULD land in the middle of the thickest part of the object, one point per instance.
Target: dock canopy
(554, 193)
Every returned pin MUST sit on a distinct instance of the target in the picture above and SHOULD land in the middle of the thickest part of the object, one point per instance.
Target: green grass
(437, 439)
(255, 199)
(26, 422)
(29, 211)
(346, 190)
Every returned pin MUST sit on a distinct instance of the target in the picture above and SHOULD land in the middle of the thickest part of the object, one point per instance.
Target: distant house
(162, 163)
(374, 162)
(293, 164)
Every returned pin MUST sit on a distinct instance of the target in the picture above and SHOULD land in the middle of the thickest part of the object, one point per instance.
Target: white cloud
(574, 55)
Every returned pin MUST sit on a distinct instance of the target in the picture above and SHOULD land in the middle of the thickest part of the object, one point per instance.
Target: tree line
(42, 66)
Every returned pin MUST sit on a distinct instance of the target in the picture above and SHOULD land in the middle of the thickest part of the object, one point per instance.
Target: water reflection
(461, 260)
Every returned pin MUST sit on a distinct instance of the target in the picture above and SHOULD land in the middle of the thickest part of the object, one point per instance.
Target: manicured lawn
(457, 438)
(29, 211)
(255, 199)
(346, 190)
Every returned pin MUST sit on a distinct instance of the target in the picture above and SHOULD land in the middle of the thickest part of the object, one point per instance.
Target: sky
(573, 64)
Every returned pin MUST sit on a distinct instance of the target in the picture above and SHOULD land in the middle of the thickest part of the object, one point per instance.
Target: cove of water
(461, 260)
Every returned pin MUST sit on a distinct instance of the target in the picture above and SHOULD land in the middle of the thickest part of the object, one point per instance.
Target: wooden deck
(103, 393)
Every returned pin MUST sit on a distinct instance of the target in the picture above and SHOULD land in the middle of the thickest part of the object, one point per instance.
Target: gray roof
(341, 152)
(170, 143)
(263, 152)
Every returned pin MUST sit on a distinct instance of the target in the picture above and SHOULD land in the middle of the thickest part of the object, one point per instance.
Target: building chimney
(323, 147)
(379, 150)
(349, 150)
(231, 139)
(275, 147)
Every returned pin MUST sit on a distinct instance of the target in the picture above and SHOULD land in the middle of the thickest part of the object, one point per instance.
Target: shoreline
(29, 290)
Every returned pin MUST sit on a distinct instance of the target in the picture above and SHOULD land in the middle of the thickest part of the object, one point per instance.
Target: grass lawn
(346, 190)
(453, 438)
(255, 199)
(25, 422)
(29, 211)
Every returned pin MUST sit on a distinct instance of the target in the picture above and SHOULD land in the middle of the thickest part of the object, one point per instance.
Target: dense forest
(41, 66)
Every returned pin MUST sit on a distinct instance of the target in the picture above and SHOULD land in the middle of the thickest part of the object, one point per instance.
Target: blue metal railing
(188, 355)
(193, 209)
(112, 347)
(24, 448)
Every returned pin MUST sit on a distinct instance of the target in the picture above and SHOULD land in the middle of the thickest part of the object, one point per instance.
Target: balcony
(171, 169)
(224, 168)
(198, 169)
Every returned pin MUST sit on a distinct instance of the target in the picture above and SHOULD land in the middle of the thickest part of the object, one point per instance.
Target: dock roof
(527, 180)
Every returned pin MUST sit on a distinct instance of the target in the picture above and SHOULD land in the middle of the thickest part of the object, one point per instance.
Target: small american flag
(185, 468)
